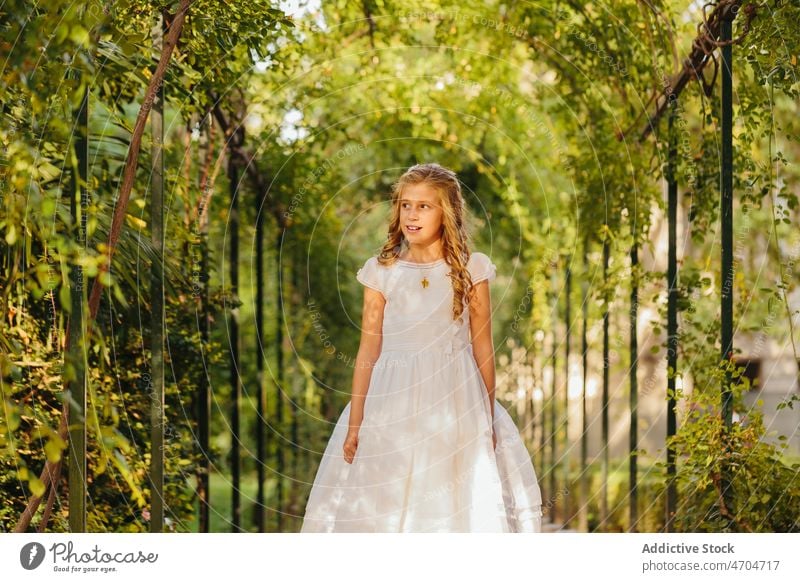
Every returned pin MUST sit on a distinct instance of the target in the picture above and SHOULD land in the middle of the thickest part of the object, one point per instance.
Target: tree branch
(129, 173)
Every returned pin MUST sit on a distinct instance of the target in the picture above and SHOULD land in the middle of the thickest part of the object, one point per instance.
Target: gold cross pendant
(424, 283)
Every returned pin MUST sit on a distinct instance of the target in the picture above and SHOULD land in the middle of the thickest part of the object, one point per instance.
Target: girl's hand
(350, 446)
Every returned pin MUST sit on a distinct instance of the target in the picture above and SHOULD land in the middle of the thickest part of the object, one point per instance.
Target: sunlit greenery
(539, 108)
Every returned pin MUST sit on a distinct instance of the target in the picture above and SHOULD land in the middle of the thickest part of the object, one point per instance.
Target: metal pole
(553, 427)
(543, 417)
(604, 480)
(584, 512)
(76, 348)
(233, 318)
(261, 445)
(204, 399)
(158, 322)
(279, 322)
(726, 219)
(672, 316)
(203, 389)
(567, 339)
(633, 491)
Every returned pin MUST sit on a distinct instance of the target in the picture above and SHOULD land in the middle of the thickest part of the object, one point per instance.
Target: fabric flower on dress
(454, 341)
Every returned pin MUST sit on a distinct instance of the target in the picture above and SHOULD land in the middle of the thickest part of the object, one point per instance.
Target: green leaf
(53, 449)
(61, 33)
(122, 466)
(12, 417)
(79, 35)
(64, 298)
(37, 487)
(102, 465)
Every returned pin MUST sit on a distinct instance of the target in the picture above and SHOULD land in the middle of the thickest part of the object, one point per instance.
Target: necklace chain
(424, 281)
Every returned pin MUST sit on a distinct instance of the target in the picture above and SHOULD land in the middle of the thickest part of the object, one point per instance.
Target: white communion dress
(425, 461)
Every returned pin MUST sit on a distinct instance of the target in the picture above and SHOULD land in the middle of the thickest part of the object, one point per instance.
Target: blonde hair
(454, 231)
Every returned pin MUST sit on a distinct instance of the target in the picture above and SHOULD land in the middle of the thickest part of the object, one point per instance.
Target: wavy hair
(453, 231)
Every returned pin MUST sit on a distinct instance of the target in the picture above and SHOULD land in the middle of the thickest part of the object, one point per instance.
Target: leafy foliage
(537, 106)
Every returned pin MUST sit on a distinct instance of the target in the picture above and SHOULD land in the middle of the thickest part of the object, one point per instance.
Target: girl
(423, 446)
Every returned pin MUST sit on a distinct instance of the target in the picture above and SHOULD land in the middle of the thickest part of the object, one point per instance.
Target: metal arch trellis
(713, 32)
(703, 47)
(706, 43)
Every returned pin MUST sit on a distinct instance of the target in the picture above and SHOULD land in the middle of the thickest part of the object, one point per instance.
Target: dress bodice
(418, 315)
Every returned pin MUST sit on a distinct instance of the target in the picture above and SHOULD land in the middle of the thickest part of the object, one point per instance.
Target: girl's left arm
(480, 320)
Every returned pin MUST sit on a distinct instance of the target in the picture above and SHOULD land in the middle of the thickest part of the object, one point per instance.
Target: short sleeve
(370, 274)
(481, 267)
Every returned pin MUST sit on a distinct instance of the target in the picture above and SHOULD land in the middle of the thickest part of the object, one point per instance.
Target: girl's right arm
(368, 353)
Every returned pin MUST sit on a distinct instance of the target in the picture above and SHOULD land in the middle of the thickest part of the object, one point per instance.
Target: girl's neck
(429, 254)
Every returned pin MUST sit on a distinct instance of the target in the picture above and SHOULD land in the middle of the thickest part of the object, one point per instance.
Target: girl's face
(420, 214)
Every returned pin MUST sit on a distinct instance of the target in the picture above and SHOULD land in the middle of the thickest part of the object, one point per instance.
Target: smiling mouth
(413, 228)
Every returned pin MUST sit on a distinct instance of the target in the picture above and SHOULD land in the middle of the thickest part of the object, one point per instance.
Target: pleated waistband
(446, 345)
(421, 336)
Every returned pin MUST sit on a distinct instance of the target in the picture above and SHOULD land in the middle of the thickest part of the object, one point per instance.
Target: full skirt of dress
(425, 461)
